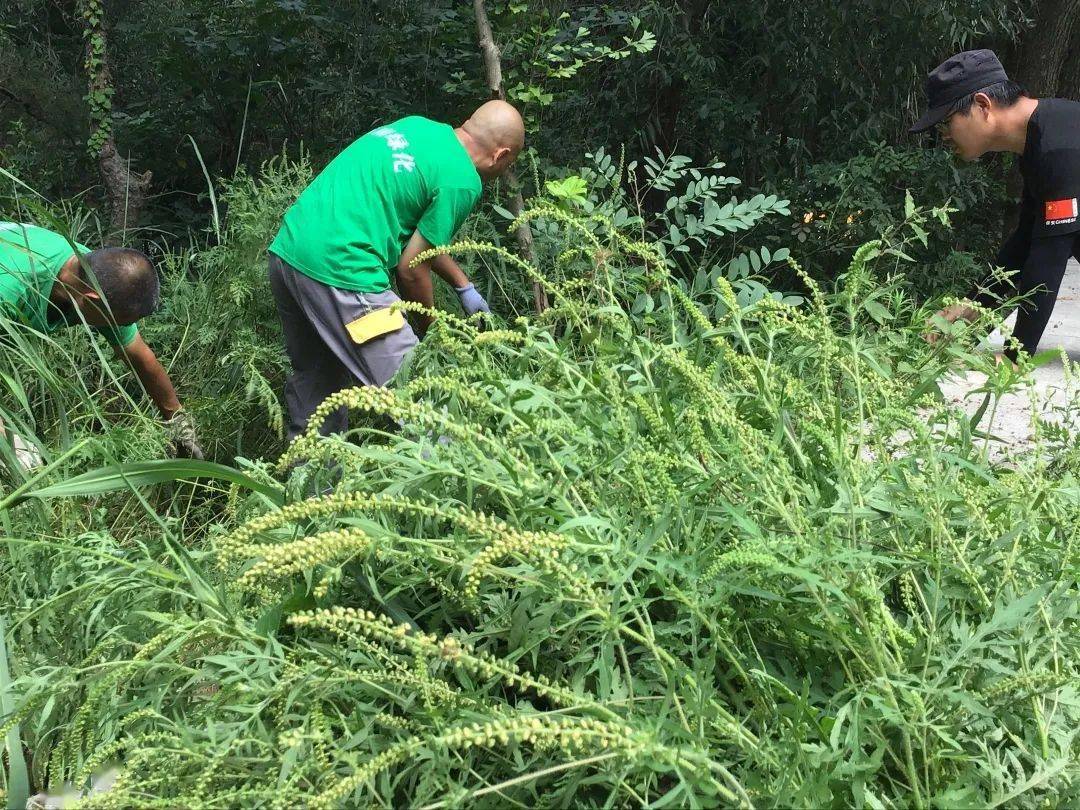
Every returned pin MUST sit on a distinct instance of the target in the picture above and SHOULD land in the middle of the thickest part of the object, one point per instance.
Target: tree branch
(489, 50)
(493, 71)
(1069, 81)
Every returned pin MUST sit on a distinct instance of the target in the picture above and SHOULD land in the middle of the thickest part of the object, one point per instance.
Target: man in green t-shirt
(397, 191)
(44, 285)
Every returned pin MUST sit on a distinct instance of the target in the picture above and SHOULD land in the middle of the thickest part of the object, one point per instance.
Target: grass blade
(146, 473)
(18, 783)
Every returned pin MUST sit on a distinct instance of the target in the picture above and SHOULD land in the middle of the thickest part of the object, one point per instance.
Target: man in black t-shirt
(978, 110)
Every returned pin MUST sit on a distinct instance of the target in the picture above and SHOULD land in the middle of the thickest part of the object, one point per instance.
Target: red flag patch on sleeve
(1061, 211)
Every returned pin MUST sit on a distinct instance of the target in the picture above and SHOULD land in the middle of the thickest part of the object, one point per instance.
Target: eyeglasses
(942, 126)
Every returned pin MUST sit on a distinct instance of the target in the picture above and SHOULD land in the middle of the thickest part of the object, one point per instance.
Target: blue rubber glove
(471, 301)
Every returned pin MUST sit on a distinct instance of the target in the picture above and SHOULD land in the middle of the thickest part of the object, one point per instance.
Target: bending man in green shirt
(392, 194)
(43, 285)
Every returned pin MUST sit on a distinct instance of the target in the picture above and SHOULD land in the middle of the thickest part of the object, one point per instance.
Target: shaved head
(493, 136)
(496, 124)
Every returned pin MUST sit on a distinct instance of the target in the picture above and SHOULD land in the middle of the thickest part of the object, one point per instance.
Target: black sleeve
(1042, 274)
(1012, 256)
(1057, 191)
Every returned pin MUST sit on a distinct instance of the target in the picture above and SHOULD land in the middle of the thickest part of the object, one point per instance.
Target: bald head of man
(493, 136)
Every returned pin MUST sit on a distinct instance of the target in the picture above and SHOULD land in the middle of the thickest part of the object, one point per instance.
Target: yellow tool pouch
(375, 324)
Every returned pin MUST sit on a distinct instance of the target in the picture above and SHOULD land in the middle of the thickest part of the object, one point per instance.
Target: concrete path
(1012, 421)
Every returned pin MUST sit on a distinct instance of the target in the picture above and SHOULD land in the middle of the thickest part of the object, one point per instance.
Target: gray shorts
(324, 356)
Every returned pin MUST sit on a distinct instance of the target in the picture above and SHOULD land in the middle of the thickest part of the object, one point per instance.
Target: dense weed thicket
(665, 544)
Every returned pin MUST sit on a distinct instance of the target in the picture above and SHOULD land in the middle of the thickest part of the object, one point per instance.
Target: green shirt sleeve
(446, 213)
(120, 336)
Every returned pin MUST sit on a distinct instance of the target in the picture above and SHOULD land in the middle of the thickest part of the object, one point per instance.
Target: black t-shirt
(1050, 166)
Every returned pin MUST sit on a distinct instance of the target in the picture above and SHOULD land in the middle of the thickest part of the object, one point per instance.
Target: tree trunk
(493, 70)
(1041, 57)
(125, 191)
(688, 16)
(1069, 81)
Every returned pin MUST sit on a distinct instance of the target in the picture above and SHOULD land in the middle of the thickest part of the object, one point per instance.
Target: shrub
(842, 204)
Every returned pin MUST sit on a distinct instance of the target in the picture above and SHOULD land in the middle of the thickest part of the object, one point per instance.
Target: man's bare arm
(414, 283)
(158, 385)
(449, 271)
(152, 374)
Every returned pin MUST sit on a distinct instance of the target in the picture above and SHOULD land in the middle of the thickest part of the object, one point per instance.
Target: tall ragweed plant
(709, 551)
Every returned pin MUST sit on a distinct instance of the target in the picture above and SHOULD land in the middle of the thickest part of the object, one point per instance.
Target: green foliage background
(782, 92)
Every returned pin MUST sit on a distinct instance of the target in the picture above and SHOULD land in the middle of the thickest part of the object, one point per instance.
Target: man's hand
(950, 314)
(156, 381)
(184, 438)
(1001, 357)
(471, 300)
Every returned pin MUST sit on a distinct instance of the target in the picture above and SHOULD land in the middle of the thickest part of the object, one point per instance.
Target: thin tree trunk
(493, 70)
(126, 190)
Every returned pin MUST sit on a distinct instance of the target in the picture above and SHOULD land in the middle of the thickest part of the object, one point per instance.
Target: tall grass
(711, 553)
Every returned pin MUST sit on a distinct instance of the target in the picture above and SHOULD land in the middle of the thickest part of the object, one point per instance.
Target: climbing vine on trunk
(100, 90)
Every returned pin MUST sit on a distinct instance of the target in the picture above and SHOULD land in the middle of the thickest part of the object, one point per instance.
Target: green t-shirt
(30, 260)
(350, 226)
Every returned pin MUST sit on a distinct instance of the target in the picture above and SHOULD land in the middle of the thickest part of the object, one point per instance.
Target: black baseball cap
(957, 77)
